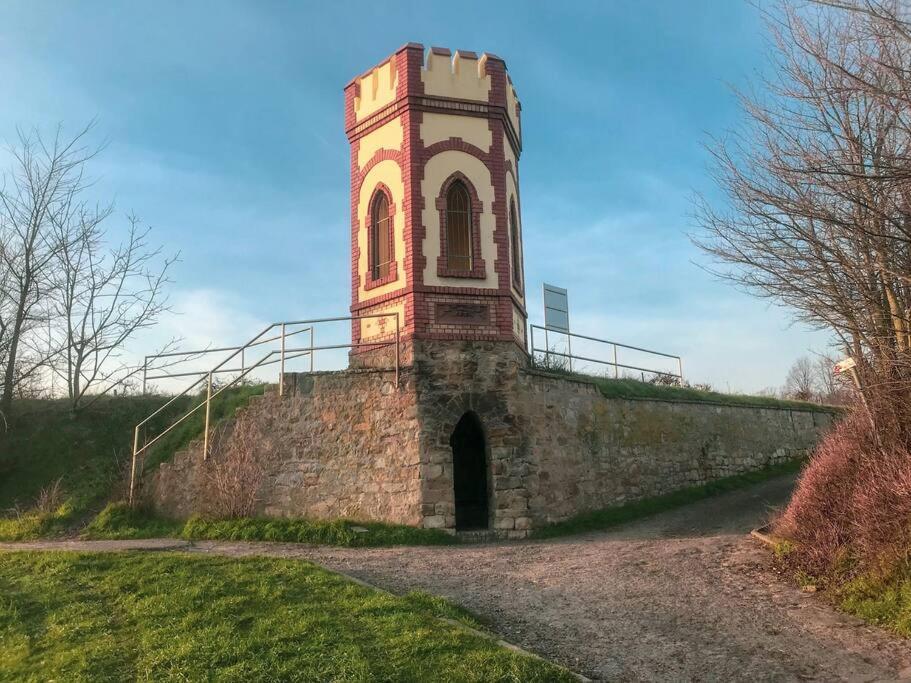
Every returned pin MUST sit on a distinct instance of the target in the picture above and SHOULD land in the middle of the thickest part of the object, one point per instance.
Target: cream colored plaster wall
(387, 136)
(458, 77)
(377, 89)
(388, 173)
(436, 171)
(439, 127)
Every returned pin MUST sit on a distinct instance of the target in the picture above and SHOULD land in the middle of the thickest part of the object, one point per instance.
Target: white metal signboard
(844, 365)
(556, 308)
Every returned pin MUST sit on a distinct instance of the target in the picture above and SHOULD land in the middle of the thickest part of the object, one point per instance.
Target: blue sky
(224, 125)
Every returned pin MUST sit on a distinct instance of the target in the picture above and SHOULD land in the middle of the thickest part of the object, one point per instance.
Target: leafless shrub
(550, 361)
(235, 472)
(851, 508)
(664, 380)
(50, 498)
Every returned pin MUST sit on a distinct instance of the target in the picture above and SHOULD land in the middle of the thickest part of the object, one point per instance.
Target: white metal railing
(547, 352)
(281, 356)
(177, 357)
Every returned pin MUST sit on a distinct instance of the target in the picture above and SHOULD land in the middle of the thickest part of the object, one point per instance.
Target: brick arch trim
(515, 244)
(379, 156)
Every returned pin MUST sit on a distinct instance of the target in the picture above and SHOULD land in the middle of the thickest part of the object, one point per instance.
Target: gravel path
(682, 596)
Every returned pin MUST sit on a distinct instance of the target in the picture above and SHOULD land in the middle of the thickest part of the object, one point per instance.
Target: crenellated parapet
(434, 79)
(430, 129)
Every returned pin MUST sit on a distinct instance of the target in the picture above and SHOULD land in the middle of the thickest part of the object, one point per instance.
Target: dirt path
(685, 595)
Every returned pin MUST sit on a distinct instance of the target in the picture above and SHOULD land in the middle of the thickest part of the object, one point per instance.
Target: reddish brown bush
(853, 501)
(235, 472)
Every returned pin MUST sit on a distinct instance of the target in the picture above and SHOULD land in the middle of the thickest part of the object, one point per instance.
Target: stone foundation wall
(352, 444)
(557, 447)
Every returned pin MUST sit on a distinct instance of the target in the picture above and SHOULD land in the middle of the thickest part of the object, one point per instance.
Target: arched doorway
(469, 473)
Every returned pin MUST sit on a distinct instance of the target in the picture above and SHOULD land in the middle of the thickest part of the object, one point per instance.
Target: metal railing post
(205, 436)
(311, 348)
(532, 328)
(397, 350)
(569, 350)
(546, 350)
(133, 464)
(616, 367)
(281, 375)
(243, 360)
(680, 369)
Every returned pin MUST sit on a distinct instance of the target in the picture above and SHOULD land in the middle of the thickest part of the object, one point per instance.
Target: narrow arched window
(380, 237)
(514, 246)
(458, 227)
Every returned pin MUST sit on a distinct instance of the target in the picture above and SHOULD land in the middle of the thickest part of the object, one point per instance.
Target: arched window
(514, 243)
(458, 227)
(380, 237)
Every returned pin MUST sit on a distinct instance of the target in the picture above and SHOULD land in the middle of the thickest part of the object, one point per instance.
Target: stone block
(434, 522)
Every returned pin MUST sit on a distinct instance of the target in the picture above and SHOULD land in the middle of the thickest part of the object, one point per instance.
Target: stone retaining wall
(340, 444)
(351, 444)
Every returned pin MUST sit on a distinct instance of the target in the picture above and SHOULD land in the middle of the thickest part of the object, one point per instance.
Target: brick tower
(435, 211)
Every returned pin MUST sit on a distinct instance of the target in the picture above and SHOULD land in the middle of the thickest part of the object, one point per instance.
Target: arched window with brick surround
(514, 244)
(381, 255)
(458, 227)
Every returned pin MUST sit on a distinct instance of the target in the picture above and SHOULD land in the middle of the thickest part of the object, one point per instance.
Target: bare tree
(39, 201)
(104, 298)
(818, 184)
(801, 382)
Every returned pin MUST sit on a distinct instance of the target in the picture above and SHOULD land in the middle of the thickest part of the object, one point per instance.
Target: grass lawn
(608, 517)
(86, 453)
(146, 616)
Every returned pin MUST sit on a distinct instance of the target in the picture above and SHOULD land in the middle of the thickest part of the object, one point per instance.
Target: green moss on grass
(603, 519)
(155, 616)
(883, 599)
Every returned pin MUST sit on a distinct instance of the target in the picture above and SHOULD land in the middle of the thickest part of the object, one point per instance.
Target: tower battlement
(438, 73)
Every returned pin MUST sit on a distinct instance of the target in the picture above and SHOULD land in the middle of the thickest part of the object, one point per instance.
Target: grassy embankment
(144, 616)
(56, 469)
(635, 389)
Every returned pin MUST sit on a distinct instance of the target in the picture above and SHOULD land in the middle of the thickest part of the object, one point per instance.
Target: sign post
(556, 318)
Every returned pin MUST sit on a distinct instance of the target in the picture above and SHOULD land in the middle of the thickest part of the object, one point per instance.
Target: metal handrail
(284, 353)
(200, 352)
(616, 365)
